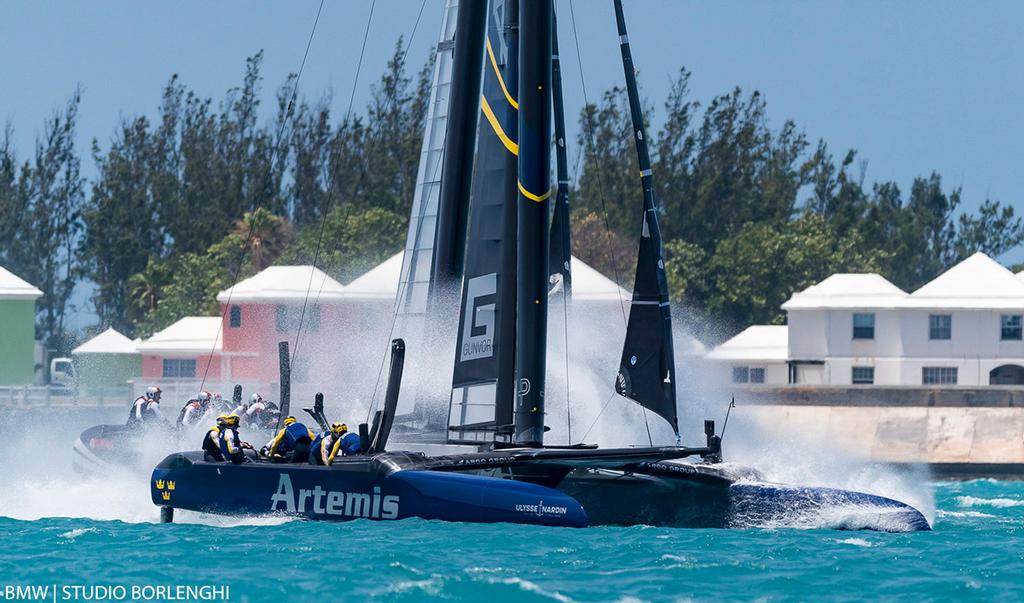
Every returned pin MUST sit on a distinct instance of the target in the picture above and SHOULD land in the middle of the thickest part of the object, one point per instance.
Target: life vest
(294, 434)
(350, 444)
(143, 410)
(190, 410)
(320, 450)
(211, 445)
(230, 445)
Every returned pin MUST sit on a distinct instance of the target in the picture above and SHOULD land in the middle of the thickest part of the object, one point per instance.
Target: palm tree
(146, 287)
(264, 236)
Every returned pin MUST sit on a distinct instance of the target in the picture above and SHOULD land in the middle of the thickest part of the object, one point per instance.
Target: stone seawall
(994, 397)
(965, 432)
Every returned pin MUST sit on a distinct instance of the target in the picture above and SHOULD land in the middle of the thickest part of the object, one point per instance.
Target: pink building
(240, 346)
(268, 308)
(183, 351)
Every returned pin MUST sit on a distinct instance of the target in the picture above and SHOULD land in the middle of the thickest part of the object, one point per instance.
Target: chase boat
(497, 174)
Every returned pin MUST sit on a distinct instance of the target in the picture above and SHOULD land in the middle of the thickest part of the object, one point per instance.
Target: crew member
(222, 442)
(194, 409)
(253, 411)
(327, 445)
(349, 443)
(291, 444)
(211, 441)
(146, 409)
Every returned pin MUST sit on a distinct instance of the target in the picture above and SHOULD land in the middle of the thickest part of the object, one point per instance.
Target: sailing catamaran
(494, 252)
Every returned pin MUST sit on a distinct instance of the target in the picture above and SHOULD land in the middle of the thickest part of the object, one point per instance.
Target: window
(863, 326)
(289, 318)
(178, 368)
(757, 375)
(1010, 325)
(938, 375)
(740, 374)
(940, 326)
(236, 317)
(863, 375)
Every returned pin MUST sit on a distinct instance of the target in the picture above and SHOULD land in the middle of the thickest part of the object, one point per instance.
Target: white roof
(192, 334)
(845, 290)
(284, 283)
(590, 285)
(107, 342)
(12, 287)
(759, 342)
(381, 282)
(977, 282)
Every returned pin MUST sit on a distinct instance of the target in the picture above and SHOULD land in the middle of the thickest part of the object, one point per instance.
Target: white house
(963, 328)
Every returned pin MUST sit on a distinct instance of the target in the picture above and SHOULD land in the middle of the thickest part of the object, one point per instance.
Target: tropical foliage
(207, 193)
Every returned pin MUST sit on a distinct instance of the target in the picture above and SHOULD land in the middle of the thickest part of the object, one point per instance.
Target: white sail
(414, 283)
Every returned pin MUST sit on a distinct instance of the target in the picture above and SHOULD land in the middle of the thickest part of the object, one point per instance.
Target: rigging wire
(565, 289)
(330, 188)
(331, 185)
(604, 207)
(275, 154)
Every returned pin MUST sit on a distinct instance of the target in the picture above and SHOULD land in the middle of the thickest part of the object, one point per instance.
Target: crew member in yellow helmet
(326, 445)
(291, 444)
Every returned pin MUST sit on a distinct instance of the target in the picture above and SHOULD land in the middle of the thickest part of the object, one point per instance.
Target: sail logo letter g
(478, 326)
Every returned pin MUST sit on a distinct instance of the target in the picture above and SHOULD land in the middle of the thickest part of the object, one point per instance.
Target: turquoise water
(976, 552)
(58, 528)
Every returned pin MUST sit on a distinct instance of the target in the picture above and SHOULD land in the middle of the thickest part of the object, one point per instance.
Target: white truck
(63, 373)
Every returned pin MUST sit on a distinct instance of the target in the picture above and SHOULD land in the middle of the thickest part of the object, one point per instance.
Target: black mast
(561, 241)
(647, 371)
(459, 141)
(535, 19)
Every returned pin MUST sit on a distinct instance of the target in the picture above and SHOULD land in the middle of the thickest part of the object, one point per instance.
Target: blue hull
(347, 491)
(398, 485)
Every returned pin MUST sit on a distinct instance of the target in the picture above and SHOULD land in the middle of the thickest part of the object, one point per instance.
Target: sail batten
(647, 368)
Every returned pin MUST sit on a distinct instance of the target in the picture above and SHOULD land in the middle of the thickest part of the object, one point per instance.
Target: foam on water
(857, 542)
(1001, 503)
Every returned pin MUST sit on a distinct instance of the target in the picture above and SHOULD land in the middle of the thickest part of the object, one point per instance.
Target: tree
(759, 267)
(47, 199)
(603, 249)
(122, 236)
(264, 237)
(609, 184)
(353, 241)
(146, 287)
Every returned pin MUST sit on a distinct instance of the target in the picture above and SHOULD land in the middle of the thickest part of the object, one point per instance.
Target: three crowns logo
(159, 484)
(166, 495)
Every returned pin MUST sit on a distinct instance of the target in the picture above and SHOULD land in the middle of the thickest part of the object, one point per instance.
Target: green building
(109, 359)
(17, 329)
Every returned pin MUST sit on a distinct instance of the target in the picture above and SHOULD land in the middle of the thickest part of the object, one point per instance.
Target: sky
(915, 86)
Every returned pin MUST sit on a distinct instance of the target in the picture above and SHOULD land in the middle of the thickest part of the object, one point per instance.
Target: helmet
(255, 398)
(204, 396)
(153, 392)
(339, 428)
(288, 421)
(227, 421)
